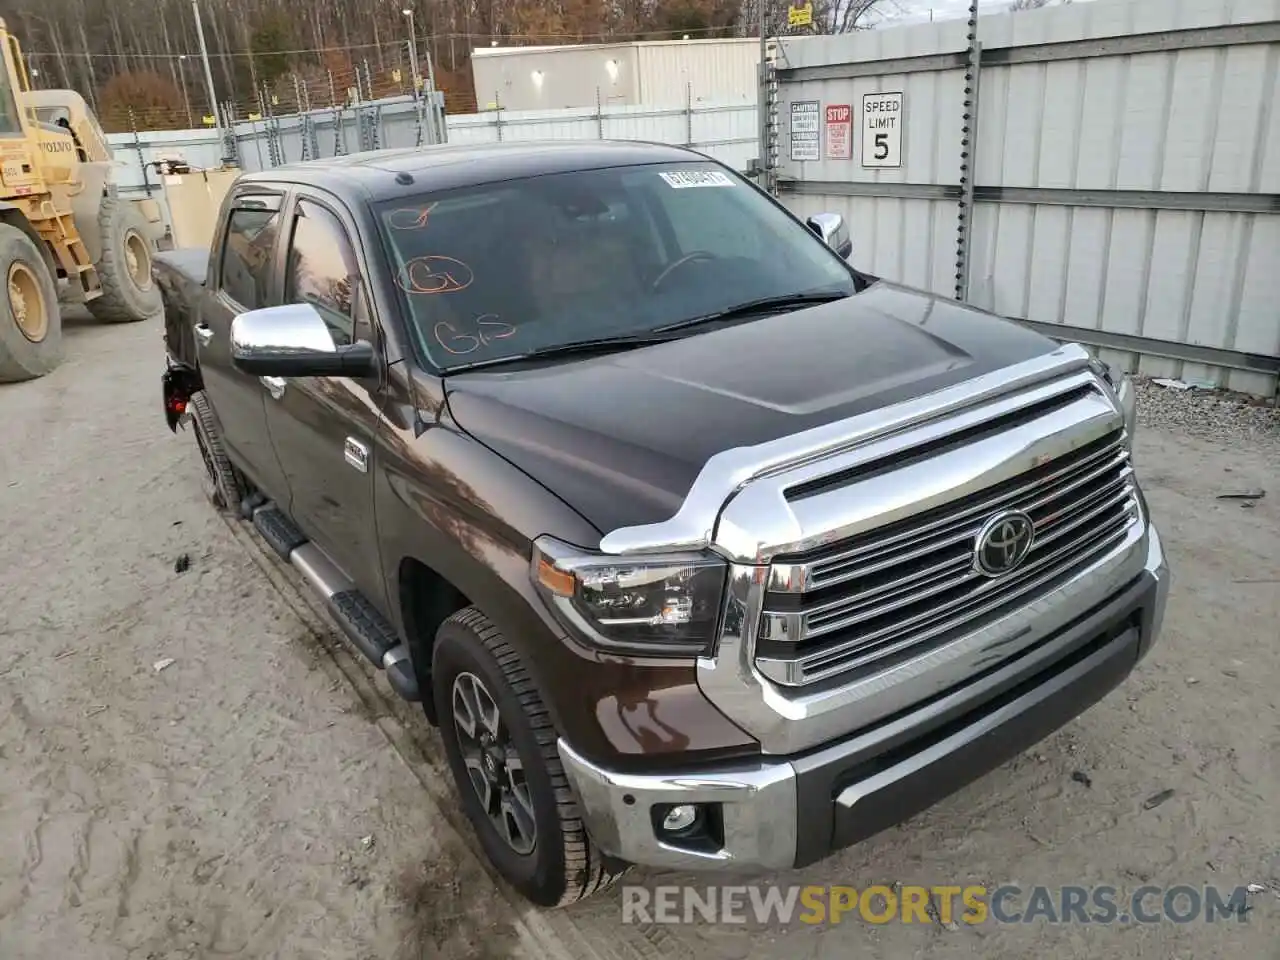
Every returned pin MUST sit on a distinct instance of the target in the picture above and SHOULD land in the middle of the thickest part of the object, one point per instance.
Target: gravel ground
(1214, 416)
(264, 795)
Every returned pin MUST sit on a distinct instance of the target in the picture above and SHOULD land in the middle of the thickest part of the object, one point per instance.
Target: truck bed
(180, 274)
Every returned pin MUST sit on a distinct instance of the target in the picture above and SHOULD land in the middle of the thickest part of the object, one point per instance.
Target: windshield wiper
(593, 345)
(656, 335)
(760, 305)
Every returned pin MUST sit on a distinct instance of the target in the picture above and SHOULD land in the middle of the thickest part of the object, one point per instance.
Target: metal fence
(270, 140)
(1106, 172)
(726, 131)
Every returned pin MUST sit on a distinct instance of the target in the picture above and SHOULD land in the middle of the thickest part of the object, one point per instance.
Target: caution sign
(805, 130)
(882, 130)
(839, 131)
(800, 15)
(208, 120)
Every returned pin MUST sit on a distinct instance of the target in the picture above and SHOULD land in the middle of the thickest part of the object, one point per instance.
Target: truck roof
(379, 174)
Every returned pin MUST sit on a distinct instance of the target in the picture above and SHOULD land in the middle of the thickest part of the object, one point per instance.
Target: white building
(661, 73)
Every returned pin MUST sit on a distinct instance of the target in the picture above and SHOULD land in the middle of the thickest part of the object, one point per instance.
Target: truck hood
(621, 437)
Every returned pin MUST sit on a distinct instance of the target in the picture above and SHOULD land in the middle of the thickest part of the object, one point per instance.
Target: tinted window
(246, 255)
(323, 272)
(502, 269)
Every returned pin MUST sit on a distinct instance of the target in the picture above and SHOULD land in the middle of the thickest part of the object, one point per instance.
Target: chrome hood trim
(759, 524)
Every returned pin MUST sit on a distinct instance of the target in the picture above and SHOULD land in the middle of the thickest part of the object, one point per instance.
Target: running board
(367, 629)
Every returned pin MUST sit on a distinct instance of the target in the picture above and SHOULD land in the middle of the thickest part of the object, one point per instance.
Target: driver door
(324, 428)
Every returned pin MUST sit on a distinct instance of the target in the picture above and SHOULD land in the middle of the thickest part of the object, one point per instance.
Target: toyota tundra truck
(702, 548)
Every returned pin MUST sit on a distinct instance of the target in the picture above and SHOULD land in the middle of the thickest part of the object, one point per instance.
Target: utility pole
(762, 132)
(413, 51)
(182, 75)
(208, 72)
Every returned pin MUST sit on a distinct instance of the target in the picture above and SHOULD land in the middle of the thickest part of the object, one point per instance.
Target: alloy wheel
(493, 766)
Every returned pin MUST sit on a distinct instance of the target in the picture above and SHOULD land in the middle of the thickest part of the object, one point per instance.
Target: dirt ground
(265, 795)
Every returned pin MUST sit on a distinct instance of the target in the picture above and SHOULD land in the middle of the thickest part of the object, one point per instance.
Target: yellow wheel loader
(65, 234)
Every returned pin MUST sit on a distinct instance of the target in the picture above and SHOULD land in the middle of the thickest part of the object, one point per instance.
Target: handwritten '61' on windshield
(428, 275)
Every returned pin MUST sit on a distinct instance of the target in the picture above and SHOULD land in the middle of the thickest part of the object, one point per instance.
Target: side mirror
(294, 341)
(831, 228)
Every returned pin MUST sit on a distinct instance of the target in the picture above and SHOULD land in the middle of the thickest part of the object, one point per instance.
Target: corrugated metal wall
(710, 71)
(549, 78)
(649, 73)
(1138, 164)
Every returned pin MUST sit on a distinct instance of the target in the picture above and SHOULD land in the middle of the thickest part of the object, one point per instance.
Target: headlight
(667, 604)
(1128, 398)
(1126, 395)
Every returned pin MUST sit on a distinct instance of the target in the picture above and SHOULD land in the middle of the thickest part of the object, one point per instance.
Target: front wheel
(501, 747)
(30, 324)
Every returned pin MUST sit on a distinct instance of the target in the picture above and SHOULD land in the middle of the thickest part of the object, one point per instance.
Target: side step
(278, 530)
(251, 503)
(368, 630)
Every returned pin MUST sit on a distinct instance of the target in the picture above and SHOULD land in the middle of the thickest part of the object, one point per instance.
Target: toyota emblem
(1003, 543)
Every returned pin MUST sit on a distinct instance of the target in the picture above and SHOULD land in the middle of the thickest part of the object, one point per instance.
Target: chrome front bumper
(780, 812)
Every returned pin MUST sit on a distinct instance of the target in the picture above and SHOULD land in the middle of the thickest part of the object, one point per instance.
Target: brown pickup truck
(702, 548)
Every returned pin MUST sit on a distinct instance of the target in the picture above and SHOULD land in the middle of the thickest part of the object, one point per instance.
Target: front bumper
(782, 812)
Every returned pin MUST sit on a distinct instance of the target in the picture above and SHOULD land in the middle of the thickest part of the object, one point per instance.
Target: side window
(323, 272)
(10, 122)
(246, 254)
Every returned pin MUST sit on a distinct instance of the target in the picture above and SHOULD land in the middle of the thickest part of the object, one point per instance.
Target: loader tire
(129, 292)
(30, 324)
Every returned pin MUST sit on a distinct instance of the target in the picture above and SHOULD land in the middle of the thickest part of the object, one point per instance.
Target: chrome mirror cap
(290, 331)
(833, 231)
(294, 341)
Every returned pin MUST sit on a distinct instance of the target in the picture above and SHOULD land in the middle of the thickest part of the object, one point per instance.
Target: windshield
(509, 268)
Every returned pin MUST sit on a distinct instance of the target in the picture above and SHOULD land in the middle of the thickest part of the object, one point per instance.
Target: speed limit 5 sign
(882, 129)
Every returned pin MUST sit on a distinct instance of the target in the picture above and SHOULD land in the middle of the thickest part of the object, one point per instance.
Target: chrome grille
(887, 593)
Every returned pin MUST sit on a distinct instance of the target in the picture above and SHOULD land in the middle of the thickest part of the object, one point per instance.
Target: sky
(942, 9)
(918, 10)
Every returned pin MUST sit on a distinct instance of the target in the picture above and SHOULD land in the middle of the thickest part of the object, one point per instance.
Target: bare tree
(1032, 4)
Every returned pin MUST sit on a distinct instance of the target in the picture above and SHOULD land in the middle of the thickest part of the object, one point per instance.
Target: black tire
(30, 354)
(223, 484)
(129, 292)
(564, 865)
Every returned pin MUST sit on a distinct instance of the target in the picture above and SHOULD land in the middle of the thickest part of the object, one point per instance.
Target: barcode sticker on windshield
(696, 178)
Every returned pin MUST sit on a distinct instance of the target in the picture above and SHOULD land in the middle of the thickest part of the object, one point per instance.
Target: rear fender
(178, 384)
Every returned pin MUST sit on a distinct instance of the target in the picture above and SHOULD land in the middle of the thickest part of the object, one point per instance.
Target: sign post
(882, 129)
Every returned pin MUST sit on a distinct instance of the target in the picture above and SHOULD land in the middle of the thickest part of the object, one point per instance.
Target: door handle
(274, 385)
(356, 454)
(204, 334)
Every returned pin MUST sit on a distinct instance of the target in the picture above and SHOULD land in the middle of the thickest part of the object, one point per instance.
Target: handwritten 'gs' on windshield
(460, 342)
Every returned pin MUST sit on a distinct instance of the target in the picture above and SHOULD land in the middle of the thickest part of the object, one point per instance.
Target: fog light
(679, 819)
